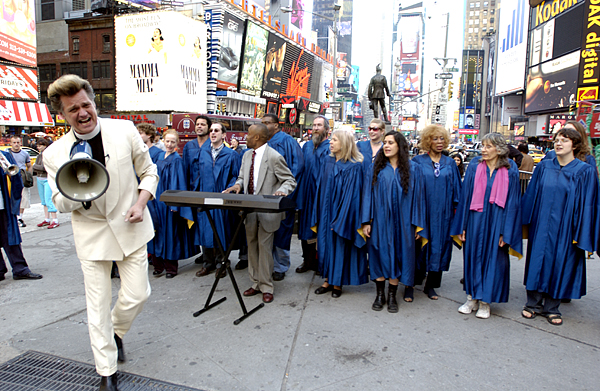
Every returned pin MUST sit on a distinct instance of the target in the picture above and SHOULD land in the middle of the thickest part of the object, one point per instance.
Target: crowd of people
(366, 212)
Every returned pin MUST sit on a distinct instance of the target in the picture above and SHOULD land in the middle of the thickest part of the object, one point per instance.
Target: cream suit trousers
(102, 323)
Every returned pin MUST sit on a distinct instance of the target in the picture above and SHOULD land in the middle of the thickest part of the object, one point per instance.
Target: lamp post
(336, 9)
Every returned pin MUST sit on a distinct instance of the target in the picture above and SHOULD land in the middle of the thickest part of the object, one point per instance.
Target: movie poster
(274, 67)
(231, 51)
(253, 68)
(17, 32)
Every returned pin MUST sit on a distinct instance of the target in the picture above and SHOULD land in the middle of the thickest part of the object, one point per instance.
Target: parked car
(33, 154)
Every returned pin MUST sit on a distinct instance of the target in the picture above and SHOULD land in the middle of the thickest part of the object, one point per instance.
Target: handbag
(27, 178)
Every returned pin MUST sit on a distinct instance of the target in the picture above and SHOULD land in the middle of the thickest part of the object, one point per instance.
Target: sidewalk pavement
(302, 341)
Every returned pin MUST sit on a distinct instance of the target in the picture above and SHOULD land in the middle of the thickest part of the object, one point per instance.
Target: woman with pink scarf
(488, 225)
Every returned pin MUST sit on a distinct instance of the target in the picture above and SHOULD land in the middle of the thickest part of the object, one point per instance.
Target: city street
(302, 341)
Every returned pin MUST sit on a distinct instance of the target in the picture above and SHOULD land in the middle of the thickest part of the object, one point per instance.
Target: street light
(336, 9)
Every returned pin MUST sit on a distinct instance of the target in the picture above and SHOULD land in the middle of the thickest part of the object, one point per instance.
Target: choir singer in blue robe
(393, 209)
(488, 222)
(442, 191)
(336, 217)
(560, 209)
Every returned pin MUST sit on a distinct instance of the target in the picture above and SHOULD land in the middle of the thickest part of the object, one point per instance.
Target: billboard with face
(255, 52)
(160, 62)
(17, 32)
(231, 50)
(274, 67)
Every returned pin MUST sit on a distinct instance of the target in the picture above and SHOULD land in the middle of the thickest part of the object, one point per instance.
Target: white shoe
(469, 306)
(484, 310)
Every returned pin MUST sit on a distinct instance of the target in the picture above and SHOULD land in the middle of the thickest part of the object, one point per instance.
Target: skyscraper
(481, 17)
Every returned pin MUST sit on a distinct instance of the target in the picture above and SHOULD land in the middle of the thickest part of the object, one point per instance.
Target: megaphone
(82, 178)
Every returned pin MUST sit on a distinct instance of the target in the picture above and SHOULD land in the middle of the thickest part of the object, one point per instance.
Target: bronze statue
(378, 88)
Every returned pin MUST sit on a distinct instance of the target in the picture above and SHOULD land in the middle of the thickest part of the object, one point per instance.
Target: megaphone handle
(87, 205)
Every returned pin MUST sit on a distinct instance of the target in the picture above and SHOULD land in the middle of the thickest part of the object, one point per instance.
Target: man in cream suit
(115, 227)
(263, 171)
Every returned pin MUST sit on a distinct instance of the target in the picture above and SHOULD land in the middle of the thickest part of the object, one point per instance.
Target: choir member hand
(235, 188)
(501, 243)
(417, 236)
(463, 236)
(367, 230)
(280, 193)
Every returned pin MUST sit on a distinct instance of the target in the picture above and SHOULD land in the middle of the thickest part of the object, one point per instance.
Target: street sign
(451, 69)
(439, 119)
(443, 97)
(446, 75)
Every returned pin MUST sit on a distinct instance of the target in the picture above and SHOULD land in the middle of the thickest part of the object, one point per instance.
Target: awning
(16, 113)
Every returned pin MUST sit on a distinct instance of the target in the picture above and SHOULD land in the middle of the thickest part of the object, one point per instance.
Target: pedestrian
(116, 226)
(44, 191)
(393, 209)
(560, 209)
(527, 163)
(488, 224)
(148, 134)
(235, 146)
(370, 148)
(458, 159)
(172, 240)
(292, 153)
(442, 182)
(315, 152)
(265, 172)
(341, 249)
(24, 163)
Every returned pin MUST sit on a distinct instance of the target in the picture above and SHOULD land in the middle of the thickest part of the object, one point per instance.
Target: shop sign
(549, 9)
(293, 114)
(17, 82)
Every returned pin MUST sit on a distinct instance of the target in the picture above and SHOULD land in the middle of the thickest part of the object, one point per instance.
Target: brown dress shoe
(204, 272)
(267, 297)
(251, 292)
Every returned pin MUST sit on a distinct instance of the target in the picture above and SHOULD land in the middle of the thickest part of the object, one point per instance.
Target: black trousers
(542, 303)
(309, 254)
(14, 253)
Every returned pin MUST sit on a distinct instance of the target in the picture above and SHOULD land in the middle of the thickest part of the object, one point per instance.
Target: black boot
(109, 383)
(380, 298)
(120, 350)
(392, 303)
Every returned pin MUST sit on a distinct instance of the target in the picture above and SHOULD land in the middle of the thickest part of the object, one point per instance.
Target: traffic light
(327, 96)
(450, 89)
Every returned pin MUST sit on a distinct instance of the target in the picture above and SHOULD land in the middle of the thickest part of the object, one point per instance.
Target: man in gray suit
(265, 172)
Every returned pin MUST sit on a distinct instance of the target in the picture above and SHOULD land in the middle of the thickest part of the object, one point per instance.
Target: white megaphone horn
(82, 178)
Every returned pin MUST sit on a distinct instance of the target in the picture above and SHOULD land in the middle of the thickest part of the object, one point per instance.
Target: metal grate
(45, 372)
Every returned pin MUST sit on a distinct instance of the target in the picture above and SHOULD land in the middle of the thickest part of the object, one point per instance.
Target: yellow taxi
(33, 154)
(537, 155)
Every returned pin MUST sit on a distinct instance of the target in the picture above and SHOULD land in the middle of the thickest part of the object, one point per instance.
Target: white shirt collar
(88, 136)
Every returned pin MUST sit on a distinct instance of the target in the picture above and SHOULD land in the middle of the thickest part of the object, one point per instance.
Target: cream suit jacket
(274, 176)
(101, 232)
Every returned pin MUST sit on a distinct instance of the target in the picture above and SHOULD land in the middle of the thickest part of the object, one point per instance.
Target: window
(484, 21)
(485, 13)
(47, 72)
(75, 45)
(470, 29)
(471, 5)
(484, 29)
(476, 21)
(492, 12)
(101, 69)
(105, 100)
(471, 13)
(485, 3)
(491, 20)
(477, 13)
(106, 44)
(75, 68)
(47, 9)
(470, 22)
(476, 30)
(78, 5)
(477, 4)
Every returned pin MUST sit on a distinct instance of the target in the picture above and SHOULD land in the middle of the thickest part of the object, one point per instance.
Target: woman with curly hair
(442, 191)
(488, 224)
(393, 209)
(560, 209)
(342, 258)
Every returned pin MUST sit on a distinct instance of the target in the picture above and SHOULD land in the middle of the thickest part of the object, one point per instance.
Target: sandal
(530, 314)
(431, 293)
(409, 294)
(552, 317)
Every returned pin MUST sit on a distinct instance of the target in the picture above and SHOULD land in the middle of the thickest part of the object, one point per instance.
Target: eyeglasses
(373, 129)
(436, 169)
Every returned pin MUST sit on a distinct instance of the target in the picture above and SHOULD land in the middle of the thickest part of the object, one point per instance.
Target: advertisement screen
(18, 83)
(301, 18)
(274, 67)
(255, 51)
(410, 27)
(160, 62)
(408, 83)
(557, 121)
(231, 50)
(297, 72)
(512, 49)
(17, 32)
(552, 84)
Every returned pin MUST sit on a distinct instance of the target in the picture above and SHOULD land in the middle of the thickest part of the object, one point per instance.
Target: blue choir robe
(11, 187)
(589, 159)
(156, 154)
(336, 217)
(441, 197)
(364, 147)
(314, 161)
(289, 148)
(215, 177)
(560, 208)
(486, 264)
(394, 216)
(192, 171)
(172, 240)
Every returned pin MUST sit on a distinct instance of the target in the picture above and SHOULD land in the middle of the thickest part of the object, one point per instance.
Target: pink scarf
(499, 188)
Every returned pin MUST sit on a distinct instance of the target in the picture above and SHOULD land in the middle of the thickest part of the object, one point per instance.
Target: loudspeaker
(82, 178)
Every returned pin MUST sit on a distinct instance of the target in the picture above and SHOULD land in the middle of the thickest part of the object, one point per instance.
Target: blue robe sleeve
(459, 224)
(345, 220)
(532, 194)
(585, 220)
(512, 228)
(366, 213)
(419, 208)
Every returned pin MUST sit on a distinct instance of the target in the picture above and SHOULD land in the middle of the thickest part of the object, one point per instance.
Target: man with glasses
(370, 148)
(315, 152)
(218, 169)
(291, 152)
